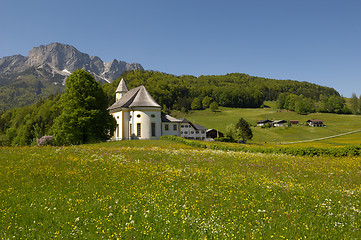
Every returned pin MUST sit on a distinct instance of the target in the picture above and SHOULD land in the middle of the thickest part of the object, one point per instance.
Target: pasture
(167, 190)
(335, 124)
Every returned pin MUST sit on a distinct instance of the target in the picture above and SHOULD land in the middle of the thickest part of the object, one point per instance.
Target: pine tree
(243, 130)
(354, 103)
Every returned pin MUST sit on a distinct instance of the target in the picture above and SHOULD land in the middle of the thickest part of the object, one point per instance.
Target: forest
(22, 126)
(236, 90)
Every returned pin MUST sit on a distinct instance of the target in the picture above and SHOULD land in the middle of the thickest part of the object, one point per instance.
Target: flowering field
(160, 189)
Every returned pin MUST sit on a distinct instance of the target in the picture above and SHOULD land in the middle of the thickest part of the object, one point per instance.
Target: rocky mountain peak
(59, 56)
(64, 59)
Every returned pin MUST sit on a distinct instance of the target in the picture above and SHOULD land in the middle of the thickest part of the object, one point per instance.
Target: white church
(139, 116)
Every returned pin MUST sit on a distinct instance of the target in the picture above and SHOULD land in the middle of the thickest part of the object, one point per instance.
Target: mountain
(24, 80)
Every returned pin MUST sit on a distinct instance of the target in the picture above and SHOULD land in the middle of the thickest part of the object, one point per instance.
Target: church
(139, 116)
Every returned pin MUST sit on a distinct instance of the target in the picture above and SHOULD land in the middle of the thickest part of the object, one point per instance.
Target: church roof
(122, 87)
(136, 97)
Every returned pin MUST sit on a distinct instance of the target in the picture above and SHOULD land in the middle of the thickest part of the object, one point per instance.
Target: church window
(130, 130)
(153, 129)
(192, 132)
(181, 132)
(182, 126)
(197, 132)
(174, 127)
(138, 116)
(166, 127)
(117, 130)
(139, 130)
(185, 132)
(153, 116)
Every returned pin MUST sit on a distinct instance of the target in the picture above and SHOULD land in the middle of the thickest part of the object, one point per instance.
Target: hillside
(336, 124)
(237, 90)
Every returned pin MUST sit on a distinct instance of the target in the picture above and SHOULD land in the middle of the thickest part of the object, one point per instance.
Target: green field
(167, 190)
(336, 124)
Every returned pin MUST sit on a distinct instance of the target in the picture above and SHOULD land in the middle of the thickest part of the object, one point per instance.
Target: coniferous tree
(243, 130)
(85, 117)
(354, 103)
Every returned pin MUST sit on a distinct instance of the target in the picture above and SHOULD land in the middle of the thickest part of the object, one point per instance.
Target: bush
(45, 140)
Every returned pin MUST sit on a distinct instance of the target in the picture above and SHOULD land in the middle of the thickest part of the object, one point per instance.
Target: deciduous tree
(84, 117)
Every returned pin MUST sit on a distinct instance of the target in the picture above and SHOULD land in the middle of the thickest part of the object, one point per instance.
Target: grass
(336, 124)
(162, 189)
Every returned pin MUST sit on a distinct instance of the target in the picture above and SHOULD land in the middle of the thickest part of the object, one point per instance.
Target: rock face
(61, 59)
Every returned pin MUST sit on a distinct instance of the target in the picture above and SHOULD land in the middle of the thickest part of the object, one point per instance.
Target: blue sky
(317, 41)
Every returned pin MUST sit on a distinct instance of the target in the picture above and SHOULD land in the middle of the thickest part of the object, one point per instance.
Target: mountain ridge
(63, 59)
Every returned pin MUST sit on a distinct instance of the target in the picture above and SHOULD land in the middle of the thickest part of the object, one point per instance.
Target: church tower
(121, 90)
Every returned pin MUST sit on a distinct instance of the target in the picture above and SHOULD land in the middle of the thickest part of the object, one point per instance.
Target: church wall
(118, 131)
(122, 129)
(145, 117)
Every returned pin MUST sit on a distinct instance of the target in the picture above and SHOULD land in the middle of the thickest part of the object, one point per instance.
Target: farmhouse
(192, 131)
(315, 123)
(139, 116)
(263, 123)
(294, 122)
(279, 123)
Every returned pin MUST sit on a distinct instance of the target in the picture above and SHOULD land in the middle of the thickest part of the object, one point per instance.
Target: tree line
(324, 104)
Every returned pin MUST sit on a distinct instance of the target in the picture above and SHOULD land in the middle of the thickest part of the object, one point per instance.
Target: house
(192, 131)
(315, 123)
(213, 133)
(170, 125)
(263, 123)
(279, 123)
(139, 116)
(294, 122)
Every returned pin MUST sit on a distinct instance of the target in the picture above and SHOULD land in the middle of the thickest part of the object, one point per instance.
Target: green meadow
(167, 190)
(335, 124)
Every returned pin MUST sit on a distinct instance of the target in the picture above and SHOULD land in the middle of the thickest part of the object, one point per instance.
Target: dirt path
(318, 139)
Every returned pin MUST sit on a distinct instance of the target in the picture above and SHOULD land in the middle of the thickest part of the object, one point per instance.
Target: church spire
(121, 90)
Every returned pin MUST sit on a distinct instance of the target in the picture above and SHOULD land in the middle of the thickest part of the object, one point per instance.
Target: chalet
(263, 123)
(213, 133)
(315, 123)
(191, 130)
(294, 122)
(279, 123)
